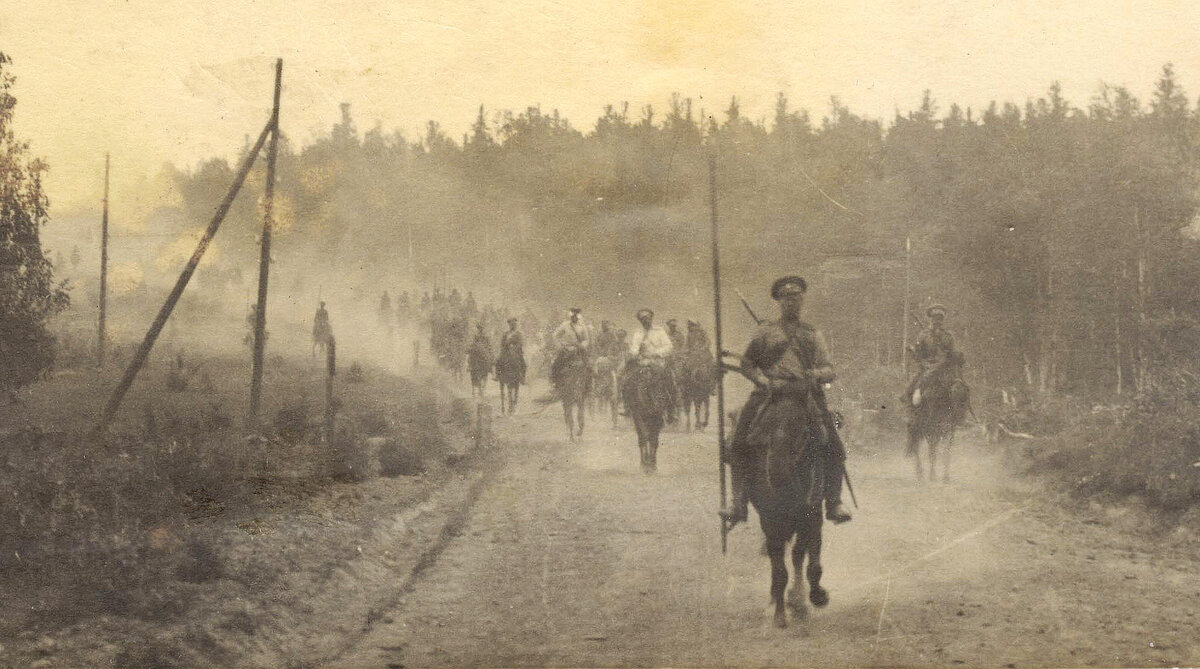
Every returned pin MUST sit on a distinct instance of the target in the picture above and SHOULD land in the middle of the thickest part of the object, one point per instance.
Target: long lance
(716, 272)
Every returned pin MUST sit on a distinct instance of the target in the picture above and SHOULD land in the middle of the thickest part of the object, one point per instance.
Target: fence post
(331, 370)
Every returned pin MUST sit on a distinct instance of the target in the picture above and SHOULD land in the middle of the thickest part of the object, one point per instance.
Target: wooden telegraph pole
(101, 336)
(264, 262)
(143, 352)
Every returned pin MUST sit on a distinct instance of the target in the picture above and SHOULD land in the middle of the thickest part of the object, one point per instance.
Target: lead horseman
(784, 356)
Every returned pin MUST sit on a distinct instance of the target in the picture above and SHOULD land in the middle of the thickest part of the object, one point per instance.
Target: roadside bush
(1149, 448)
(400, 459)
(110, 517)
(350, 454)
(373, 423)
(291, 422)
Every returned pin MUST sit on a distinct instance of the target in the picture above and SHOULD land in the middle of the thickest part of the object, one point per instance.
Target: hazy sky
(154, 81)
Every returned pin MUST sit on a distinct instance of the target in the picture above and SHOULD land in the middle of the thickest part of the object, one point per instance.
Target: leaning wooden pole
(101, 335)
(716, 272)
(264, 261)
(143, 352)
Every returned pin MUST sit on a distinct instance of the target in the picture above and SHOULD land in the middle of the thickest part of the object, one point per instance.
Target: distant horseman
(572, 338)
(322, 331)
(934, 347)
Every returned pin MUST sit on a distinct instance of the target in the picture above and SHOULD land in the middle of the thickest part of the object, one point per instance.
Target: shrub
(397, 458)
(291, 422)
(350, 456)
(1146, 448)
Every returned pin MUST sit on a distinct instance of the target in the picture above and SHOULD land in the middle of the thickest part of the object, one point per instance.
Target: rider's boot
(834, 509)
(739, 505)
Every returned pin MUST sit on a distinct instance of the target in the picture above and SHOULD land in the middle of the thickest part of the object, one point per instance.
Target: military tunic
(783, 350)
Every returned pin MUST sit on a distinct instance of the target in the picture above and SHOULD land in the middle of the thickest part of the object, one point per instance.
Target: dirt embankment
(178, 542)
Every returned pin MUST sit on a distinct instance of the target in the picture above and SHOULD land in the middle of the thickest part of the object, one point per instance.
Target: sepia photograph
(640, 333)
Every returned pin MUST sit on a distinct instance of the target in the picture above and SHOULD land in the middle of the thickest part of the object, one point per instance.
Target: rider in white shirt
(650, 345)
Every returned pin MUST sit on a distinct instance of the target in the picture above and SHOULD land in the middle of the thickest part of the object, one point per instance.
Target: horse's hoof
(795, 601)
(818, 596)
(781, 620)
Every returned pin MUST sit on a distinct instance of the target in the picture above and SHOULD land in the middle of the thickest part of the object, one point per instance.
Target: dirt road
(572, 557)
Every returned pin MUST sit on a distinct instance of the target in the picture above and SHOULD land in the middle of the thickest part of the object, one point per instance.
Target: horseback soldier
(697, 340)
(573, 338)
(787, 360)
(650, 350)
(677, 337)
(512, 346)
(482, 342)
(605, 340)
(322, 331)
(935, 345)
(650, 345)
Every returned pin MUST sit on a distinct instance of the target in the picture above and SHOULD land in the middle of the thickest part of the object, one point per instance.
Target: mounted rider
(512, 347)
(606, 340)
(934, 348)
(322, 331)
(678, 339)
(697, 341)
(789, 362)
(572, 338)
(650, 349)
(482, 343)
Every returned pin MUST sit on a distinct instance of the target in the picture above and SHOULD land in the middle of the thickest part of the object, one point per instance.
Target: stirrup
(733, 517)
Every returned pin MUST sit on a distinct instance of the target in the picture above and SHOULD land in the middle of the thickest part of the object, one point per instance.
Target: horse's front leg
(914, 451)
(581, 412)
(640, 428)
(812, 540)
(567, 418)
(946, 456)
(934, 442)
(794, 597)
(655, 428)
(779, 578)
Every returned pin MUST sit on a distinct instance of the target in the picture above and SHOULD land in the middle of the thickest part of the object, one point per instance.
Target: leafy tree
(28, 293)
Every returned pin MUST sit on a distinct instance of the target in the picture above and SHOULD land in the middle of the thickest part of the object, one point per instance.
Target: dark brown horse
(605, 386)
(479, 364)
(574, 386)
(510, 373)
(941, 404)
(647, 399)
(785, 488)
(697, 381)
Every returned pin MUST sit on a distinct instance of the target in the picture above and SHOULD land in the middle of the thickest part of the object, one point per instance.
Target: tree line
(1058, 235)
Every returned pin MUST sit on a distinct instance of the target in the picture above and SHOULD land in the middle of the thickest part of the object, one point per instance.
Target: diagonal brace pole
(143, 352)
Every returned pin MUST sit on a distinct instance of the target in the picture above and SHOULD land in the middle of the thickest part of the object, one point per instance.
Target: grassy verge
(178, 507)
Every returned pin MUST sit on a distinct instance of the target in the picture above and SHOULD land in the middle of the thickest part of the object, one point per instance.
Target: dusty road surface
(571, 556)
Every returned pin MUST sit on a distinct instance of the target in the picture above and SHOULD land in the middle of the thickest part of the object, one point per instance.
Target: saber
(757, 320)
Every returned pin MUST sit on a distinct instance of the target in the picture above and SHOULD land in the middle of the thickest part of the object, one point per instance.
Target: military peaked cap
(787, 285)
